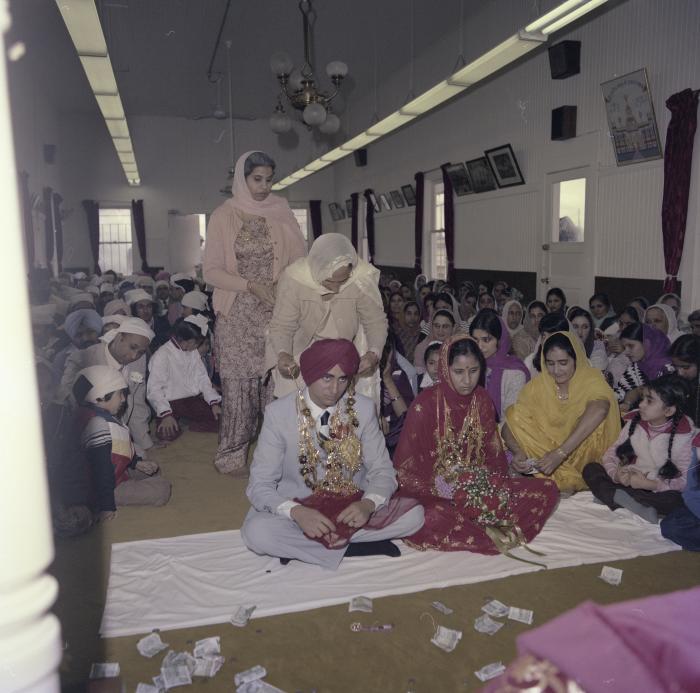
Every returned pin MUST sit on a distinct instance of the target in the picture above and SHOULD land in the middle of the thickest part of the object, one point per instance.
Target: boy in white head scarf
(124, 349)
(119, 476)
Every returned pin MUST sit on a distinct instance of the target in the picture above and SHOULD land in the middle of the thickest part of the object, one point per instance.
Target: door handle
(545, 246)
(545, 280)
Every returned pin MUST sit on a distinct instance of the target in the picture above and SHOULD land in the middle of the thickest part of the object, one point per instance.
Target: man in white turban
(124, 349)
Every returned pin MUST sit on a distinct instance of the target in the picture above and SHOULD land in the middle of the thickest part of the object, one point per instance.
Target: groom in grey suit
(277, 525)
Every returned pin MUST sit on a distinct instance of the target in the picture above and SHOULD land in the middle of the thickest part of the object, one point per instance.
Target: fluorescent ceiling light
(110, 105)
(557, 12)
(100, 74)
(572, 16)
(533, 35)
(278, 186)
(84, 26)
(390, 123)
(117, 127)
(428, 100)
(334, 155)
(358, 142)
(316, 165)
(301, 173)
(123, 145)
(504, 53)
(126, 157)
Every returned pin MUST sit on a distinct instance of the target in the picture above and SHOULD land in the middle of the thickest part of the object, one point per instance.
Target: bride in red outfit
(450, 458)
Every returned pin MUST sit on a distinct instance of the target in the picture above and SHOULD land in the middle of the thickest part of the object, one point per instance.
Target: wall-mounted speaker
(564, 123)
(360, 157)
(565, 59)
(49, 153)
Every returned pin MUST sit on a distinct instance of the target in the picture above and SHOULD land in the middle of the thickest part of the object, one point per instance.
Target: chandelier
(298, 86)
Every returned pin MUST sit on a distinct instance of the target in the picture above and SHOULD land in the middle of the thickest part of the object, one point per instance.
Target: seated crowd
(463, 433)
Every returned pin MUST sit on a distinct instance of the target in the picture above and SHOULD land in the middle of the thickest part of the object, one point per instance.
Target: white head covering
(673, 333)
(504, 314)
(130, 326)
(200, 321)
(136, 295)
(43, 314)
(115, 305)
(329, 253)
(79, 275)
(81, 297)
(195, 299)
(114, 319)
(145, 281)
(93, 290)
(95, 382)
(162, 282)
(273, 207)
(179, 277)
(106, 288)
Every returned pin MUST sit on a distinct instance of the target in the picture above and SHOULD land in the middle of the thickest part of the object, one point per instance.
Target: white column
(30, 644)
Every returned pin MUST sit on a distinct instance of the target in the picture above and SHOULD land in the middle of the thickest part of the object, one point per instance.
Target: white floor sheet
(200, 579)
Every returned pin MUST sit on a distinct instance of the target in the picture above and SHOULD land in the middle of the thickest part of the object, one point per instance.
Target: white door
(567, 248)
(184, 242)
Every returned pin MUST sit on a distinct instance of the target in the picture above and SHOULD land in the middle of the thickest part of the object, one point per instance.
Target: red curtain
(316, 218)
(355, 198)
(449, 223)
(369, 220)
(677, 164)
(140, 230)
(48, 224)
(58, 226)
(27, 217)
(92, 212)
(418, 223)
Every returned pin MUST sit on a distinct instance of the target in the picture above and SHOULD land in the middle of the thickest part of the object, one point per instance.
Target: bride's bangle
(562, 453)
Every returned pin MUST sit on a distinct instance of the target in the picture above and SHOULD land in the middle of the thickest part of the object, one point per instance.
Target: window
(438, 252)
(116, 248)
(302, 215)
(569, 213)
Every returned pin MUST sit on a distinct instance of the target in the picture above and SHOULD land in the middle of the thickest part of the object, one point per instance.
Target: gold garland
(343, 449)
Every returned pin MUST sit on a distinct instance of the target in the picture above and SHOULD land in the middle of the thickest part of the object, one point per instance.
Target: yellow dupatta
(540, 422)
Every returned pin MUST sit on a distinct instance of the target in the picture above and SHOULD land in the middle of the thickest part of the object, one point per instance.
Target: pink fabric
(647, 644)
(273, 207)
(323, 355)
(499, 362)
(656, 358)
(220, 266)
(331, 505)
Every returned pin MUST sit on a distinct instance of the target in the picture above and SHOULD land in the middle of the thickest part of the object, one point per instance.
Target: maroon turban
(321, 356)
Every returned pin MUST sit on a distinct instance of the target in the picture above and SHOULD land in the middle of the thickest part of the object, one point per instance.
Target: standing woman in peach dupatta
(451, 460)
(251, 238)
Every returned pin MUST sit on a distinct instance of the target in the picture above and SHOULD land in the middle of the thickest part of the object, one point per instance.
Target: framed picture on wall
(386, 204)
(410, 194)
(397, 199)
(336, 212)
(457, 173)
(481, 175)
(348, 208)
(504, 166)
(630, 110)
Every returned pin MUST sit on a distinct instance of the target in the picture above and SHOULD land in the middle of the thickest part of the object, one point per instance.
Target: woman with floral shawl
(451, 460)
(564, 418)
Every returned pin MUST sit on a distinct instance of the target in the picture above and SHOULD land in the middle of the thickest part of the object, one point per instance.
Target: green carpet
(315, 650)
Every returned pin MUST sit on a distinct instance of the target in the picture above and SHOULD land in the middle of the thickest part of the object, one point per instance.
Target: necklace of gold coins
(460, 461)
(343, 449)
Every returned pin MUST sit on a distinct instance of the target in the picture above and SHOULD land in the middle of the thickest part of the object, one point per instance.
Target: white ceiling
(160, 49)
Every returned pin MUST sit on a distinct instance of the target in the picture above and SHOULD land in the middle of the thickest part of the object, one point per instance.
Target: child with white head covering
(119, 476)
(178, 383)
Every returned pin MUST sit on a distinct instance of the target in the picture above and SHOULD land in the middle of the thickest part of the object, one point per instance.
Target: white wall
(503, 229)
